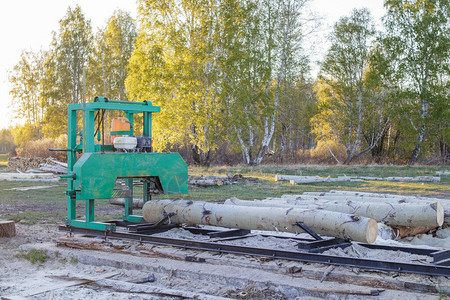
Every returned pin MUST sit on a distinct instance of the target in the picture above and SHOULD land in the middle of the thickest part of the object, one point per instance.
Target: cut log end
(405, 231)
(371, 231)
(439, 213)
(7, 228)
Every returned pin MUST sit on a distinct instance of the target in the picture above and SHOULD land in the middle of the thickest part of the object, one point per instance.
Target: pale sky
(28, 25)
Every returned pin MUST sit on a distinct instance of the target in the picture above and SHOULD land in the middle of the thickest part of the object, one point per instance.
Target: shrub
(40, 148)
(321, 154)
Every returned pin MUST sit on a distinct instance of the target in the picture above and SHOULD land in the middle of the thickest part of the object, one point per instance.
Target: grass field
(49, 205)
(3, 160)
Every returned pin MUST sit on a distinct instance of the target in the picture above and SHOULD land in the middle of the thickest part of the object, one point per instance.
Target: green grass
(267, 187)
(34, 256)
(49, 205)
(3, 160)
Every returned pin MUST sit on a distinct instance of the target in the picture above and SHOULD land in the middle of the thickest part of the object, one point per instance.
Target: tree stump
(7, 228)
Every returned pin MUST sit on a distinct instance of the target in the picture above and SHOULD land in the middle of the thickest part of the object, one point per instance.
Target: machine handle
(71, 176)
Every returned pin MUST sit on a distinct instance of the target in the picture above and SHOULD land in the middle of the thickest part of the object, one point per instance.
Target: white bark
(206, 182)
(137, 203)
(263, 218)
(322, 179)
(441, 173)
(303, 179)
(361, 194)
(390, 214)
(292, 177)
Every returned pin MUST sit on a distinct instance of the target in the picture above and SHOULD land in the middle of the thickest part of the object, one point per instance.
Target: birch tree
(343, 94)
(63, 80)
(175, 65)
(26, 91)
(270, 61)
(109, 62)
(418, 36)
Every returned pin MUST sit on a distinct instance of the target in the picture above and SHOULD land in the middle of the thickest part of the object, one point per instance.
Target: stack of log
(284, 219)
(204, 181)
(37, 165)
(308, 179)
(398, 216)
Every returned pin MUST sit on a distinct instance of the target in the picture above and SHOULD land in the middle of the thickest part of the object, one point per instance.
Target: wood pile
(398, 216)
(309, 179)
(37, 165)
(204, 181)
(329, 223)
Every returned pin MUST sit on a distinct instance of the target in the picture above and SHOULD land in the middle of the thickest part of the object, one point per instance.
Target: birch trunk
(263, 218)
(292, 177)
(364, 195)
(206, 182)
(306, 179)
(322, 179)
(137, 203)
(390, 214)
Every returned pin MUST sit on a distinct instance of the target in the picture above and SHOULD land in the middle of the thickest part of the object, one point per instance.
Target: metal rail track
(393, 266)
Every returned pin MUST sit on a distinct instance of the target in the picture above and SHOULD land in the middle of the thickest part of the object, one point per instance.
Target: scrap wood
(37, 165)
(74, 281)
(372, 292)
(128, 287)
(373, 282)
(89, 244)
(327, 272)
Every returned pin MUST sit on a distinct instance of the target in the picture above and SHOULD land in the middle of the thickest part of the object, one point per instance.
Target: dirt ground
(116, 270)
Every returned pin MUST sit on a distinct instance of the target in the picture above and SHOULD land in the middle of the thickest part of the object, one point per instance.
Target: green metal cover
(97, 172)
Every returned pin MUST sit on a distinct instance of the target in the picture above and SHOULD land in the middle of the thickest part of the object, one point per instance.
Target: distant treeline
(234, 85)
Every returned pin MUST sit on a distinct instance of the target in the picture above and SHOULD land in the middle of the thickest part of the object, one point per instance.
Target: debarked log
(431, 214)
(323, 222)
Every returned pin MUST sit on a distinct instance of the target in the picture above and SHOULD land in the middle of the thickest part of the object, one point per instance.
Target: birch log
(137, 203)
(293, 177)
(361, 194)
(323, 222)
(305, 179)
(391, 201)
(390, 214)
(206, 182)
(7, 228)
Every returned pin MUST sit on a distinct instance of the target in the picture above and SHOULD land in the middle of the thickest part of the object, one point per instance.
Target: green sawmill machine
(101, 165)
